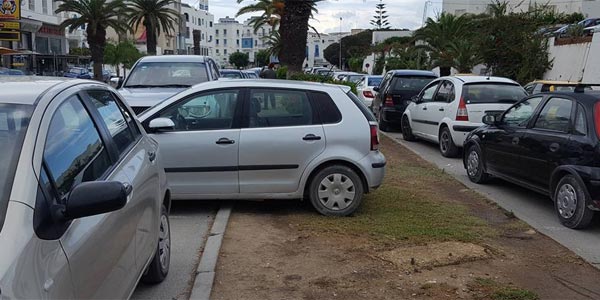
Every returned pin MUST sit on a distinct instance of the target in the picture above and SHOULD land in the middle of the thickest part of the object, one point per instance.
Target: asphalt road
(190, 224)
(535, 209)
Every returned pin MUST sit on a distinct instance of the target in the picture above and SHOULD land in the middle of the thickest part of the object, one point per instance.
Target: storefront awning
(7, 51)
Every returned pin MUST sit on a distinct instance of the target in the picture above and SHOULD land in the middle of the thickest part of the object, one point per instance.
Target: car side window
(445, 93)
(580, 121)
(112, 115)
(529, 88)
(429, 92)
(74, 151)
(555, 115)
(276, 108)
(208, 111)
(520, 114)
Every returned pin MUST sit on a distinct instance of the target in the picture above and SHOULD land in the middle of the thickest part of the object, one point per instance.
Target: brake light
(389, 102)
(374, 138)
(597, 118)
(368, 94)
(462, 114)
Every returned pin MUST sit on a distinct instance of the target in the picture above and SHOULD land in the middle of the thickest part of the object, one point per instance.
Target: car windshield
(355, 78)
(411, 83)
(492, 93)
(14, 119)
(231, 74)
(167, 74)
(375, 81)
(76, 70)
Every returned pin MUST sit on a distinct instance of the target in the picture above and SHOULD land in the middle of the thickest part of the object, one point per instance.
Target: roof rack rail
(580, 87)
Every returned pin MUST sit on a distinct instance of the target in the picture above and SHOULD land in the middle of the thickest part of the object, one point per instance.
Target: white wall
(575, 62)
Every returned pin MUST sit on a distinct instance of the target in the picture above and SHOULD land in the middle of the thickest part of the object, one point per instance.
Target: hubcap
(164, 243)
(444, 141)
(336, 191)
(566, 201)
(473, 163)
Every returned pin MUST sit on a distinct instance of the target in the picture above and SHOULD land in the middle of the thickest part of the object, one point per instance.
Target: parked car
(584, 24)
(450, 107)
(250, 74)
(315, 70)
(354, 78)
(231, 73)
(84, 199)
(11, 72)
(155, 78)
(395, 92)
(364, 88)
(542, 86)
(76, 72)
(547, 143)
(325, 72)
(339, 75)
(269, 139)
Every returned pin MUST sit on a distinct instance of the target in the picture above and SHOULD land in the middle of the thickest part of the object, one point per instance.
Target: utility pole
(340, 62)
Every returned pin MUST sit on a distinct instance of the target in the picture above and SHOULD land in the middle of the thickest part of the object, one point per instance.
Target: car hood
(147, 97)
(71, 75)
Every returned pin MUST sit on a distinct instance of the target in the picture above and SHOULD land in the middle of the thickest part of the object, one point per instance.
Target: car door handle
(128, 188)
(441, 109)
(152, 156)
(311, 137)
(515, 141)
(424, 108)
(225, 141)
(554, 147)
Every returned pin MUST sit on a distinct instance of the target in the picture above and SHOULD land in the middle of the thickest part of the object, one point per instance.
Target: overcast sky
(354, 13)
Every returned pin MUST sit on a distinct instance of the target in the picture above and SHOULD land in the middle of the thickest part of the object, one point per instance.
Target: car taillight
(597, 118)
(368, 94)
(389, 102)
(374, 138)
(462, 114)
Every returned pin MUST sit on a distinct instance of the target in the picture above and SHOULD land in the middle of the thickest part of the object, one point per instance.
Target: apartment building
(589, 8)
(202, 20)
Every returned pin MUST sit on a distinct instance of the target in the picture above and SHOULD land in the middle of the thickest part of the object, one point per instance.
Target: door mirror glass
(161, 124)
(489, 119)
(116, 82)
(414, 99)
(96, 197)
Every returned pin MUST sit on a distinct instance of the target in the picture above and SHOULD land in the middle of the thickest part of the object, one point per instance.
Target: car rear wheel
(159, 267)
(571, 201)
(474, 164)
(383, 125)
(407, 133)
(447, 146)
(336, 191)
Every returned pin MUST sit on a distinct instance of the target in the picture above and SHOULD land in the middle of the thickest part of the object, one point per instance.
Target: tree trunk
(150, 39)
(97, 43)
(445, 71)
(294, 31)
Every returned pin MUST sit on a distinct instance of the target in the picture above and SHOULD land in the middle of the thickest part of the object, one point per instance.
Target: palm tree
(272, 10)
(97, 16)
(293, 30)
(156, 16)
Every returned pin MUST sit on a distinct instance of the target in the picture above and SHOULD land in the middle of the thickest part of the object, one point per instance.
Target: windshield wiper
(158, 85)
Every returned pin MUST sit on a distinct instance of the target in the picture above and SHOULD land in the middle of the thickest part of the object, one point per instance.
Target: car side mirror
(376, 89)
(116, 82)
(415, 99)
(489, 119)
(96, 197)
(160, 124)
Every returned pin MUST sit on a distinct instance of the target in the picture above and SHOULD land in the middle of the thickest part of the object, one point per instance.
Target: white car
(448, 108)
(364, 88)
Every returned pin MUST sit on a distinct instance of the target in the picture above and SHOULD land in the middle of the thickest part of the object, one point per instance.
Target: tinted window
(229, 74)
(273, 108)
(14, 120)
(204, 112)
(114, 119)
(492, 93)
(520, 114)
(580, 121)
(74, 152)
(428, 93)
(374, 81)
(363, 108)
(410, 83)
(445, 93)
(555, 115)
(328, 111)
(167, 73)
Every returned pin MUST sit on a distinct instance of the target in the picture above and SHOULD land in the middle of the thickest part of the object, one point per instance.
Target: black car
(549, 143)
(394, 94)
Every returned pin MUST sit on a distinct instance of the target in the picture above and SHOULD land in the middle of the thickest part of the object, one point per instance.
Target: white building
(232, 36)
(316, 45)
(589, 8)
(202, 20)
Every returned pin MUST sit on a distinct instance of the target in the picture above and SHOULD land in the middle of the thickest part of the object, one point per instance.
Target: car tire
(446, 144)
(159, 267)
(336, 191)
(407, 133)
(383, 125)
(571, 203)
(474, 165)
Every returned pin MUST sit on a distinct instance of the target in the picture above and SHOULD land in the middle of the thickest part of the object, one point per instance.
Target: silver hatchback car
(83, 196)
(269, 139)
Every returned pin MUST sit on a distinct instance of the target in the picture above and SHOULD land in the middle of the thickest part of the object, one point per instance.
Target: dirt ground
(273, 250)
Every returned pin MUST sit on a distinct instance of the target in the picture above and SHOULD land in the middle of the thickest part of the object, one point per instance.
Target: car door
(437, 109)
(137, 160)
(100, 249)
(502, 143)
(200, 154)
(280, 141)
(380, 95)
(421, 123)
(546, 144)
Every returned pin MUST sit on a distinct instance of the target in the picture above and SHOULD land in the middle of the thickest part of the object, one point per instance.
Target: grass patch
(490, 289)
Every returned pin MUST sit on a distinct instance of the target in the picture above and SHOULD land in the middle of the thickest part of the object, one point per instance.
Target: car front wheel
(336, 191)
(570, 202)
(159, 267)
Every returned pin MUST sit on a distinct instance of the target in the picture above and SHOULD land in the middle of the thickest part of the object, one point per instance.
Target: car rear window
(410, 83)
(490, 92)
(363, 108)
(375, 81)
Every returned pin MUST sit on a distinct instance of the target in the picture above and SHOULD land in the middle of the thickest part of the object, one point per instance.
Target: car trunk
(483, 98)
(477, 111)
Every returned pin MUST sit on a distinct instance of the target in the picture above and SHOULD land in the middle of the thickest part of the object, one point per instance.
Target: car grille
(139, 109)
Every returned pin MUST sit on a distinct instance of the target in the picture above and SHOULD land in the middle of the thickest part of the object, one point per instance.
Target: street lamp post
(340, 62)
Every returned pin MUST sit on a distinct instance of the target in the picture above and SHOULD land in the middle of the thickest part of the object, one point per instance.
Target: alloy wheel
(164, 243)
(336, 191)
(444, 141)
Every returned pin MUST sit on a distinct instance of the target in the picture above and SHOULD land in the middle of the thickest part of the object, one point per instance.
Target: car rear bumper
(392, 115)
(460, 131)
(374, 168)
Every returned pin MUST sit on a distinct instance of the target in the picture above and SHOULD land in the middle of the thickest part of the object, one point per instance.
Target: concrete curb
(205, 273)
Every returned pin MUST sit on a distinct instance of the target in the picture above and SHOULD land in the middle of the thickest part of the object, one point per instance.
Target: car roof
(27, 89)
(477, 78)
(275, 83)
(230, 71)
(412, 72)
(555, 82)
(174, 58)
